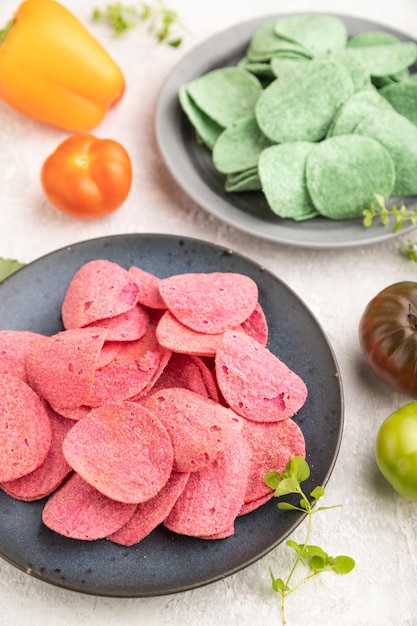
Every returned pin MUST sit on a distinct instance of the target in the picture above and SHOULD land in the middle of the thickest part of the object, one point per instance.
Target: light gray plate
(191, 166)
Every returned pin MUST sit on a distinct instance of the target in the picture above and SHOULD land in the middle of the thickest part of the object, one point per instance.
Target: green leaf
(318, 492)
(286, 486)
(277, 583)
(401, 214)
(318, 563)
(298, 468)
(298, 547)
(343, 564)
(8, 266)
(316, 551)
(272, 479)
(286, 506)
(161, 20)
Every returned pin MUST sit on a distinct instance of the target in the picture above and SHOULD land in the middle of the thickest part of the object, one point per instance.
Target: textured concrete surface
(375, 525)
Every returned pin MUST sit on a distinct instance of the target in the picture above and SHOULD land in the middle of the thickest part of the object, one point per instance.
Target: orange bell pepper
(54, 70)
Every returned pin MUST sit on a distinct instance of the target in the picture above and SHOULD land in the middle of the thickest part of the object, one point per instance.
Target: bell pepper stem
(6, 30)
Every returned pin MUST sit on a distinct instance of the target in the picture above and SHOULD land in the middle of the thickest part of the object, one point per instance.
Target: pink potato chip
(125, 376)
(72, 414)
(210, 303)
(14, 346)
(133, 371)
(25, 429)
(190, 372)
(79, 511)
(148, 288)
(61, 368)
(121, 449)
(223, 534)
(213, 496)
(254, 382)
(173, 335)
(98, 290)
(256, 325)
(51, 473)
(150, 345)
(252, 505)
(127, 326)
(151, 513)
(108, 352)
(200, 429)
(271, 446)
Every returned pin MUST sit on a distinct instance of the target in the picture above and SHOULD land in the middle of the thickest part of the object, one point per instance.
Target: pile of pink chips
(158, 404)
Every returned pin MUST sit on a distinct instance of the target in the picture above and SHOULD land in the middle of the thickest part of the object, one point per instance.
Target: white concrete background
(375, 525)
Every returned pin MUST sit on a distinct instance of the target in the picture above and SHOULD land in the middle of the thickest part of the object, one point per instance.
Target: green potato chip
(360, 76)
(399, 136)
(358, 106)
(207, 130)
(372, 38)
(403, 97)
(300, 106)
(344, 173)
(281, 65)
(283, 178)
(239, 146)
(266, 43)
(247, 180)
(382, 81)
(226, 94)
(386, 59)
(261, 69)
(320, 34)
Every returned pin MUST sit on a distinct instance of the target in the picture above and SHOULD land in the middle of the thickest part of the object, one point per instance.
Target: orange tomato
(86, 177)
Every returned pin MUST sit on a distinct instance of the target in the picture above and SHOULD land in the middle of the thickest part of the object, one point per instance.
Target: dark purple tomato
(388, 336)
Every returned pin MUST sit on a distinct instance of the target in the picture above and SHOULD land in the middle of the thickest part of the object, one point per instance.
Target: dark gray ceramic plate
(191, 166)
(165, 563)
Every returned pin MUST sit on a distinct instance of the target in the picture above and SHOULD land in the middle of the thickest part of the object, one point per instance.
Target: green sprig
(400, 214)
(314, 558)
(162, 22)
(8, 267)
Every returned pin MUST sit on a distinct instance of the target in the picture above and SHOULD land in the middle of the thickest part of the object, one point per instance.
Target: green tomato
(396, 450)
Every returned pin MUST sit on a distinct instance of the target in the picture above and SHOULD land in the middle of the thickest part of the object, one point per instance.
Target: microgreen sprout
(162, 22)
(410, 251)
(314, 558)
(379, 209)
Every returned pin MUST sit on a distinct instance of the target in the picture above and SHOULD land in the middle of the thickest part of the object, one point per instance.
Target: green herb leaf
(298, 547)
(163, 23)
(8, 266)
(286, 486)
(317, 563)
(272, 479)
(313, 557)
(343, 564)
(400, 214)
(286, 506)
(315, 551)
(278, 584)
(298, 468)
(317, 492)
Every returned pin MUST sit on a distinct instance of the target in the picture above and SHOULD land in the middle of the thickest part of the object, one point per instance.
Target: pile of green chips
(317, 121)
